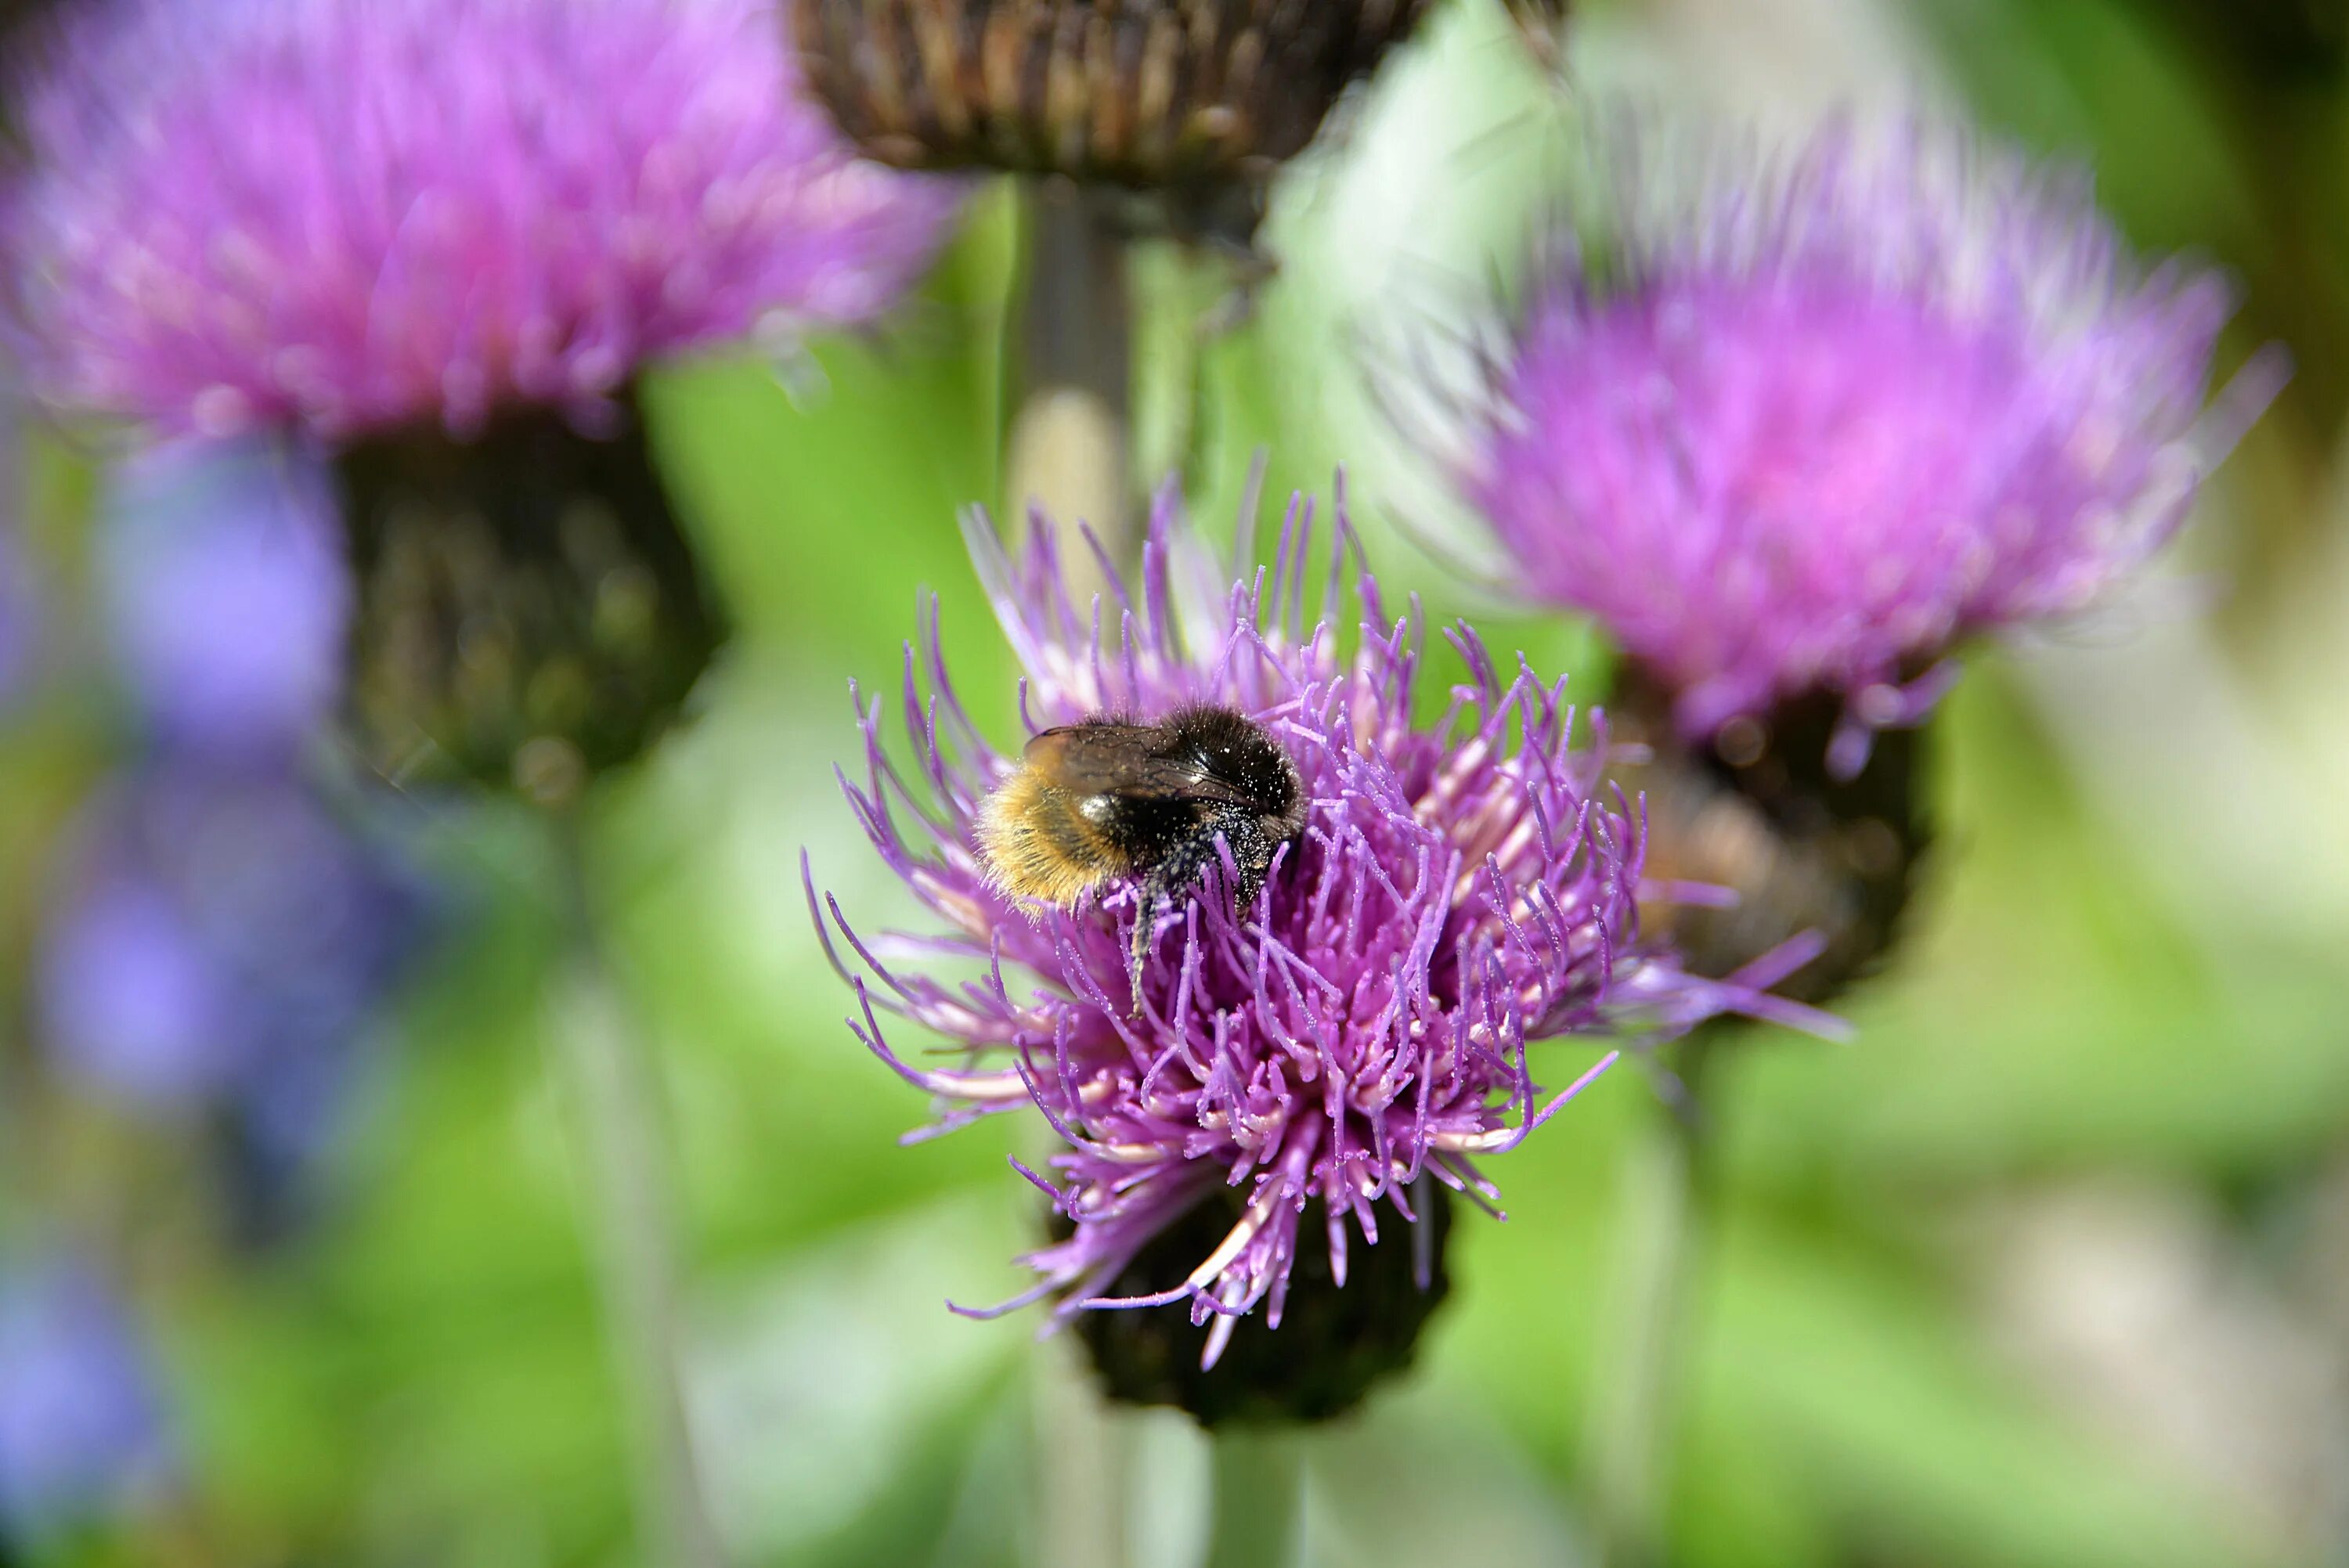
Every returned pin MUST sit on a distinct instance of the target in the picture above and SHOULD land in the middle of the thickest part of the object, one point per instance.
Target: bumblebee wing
(1128, 759)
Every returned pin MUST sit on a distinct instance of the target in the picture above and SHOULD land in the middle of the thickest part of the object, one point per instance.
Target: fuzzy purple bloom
(1798, 426)
(82, 1425)
(225, 593)
(360, 214)
(1460, 891)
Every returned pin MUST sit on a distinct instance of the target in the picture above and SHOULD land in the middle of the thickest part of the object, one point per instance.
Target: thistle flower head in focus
(1308, 1077)
(1797, 426)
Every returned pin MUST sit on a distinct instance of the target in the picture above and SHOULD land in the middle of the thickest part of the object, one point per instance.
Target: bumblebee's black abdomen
(1139, 832)
(1229, 748)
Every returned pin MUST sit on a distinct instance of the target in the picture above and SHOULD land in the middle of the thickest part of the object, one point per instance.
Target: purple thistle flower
(1360, 1033)
(225, 593)
(355, 214)
(82, 1425)
(1800, 430)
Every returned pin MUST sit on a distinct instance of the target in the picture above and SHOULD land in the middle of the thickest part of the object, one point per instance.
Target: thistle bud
(1756, 811)
(1336, 1340)
(528, 612)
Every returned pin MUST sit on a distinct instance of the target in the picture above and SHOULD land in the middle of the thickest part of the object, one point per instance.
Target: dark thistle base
(2292, 42)
(1757, 812)
(529, 615)
(1332, 1347)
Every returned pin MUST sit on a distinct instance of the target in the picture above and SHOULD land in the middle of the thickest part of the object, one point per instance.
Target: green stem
(1067, 448)
(1633, 1418)
(622, 1151)
(1084, 1476)
(1258, 1502)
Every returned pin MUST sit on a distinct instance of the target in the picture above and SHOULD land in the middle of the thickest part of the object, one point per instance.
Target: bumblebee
(1109, 800)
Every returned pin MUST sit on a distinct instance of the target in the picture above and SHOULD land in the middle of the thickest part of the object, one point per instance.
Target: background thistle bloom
(1801, 429)
(353, 216)
(1791, 431)
(443, 236)
(1348, 1044)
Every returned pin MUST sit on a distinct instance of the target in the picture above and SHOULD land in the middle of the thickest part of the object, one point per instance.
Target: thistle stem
(1633, 1418)
(1084, 1476)
(621, 1149)
(1068, 448)
(1259, 1480)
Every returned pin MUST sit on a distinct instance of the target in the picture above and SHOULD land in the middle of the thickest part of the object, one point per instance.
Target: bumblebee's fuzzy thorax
(1162, 805)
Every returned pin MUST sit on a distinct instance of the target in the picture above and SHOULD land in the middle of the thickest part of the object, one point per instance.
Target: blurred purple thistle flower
(225, 593)
(354, 215)
(1797, 426)
(82, 1425)
(442, 237)
(1460, 891)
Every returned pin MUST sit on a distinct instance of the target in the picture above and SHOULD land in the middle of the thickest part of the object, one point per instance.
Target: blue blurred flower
(82, 1430)
(221, 938)
(226, 600)
(219, 935)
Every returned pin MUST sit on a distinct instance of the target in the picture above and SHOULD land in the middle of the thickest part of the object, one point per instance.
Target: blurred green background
(2049, 1267)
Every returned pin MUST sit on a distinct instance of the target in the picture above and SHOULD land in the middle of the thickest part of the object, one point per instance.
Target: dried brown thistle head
(1194, 101)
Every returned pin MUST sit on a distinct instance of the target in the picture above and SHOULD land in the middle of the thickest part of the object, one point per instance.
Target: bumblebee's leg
(1252, 851)
(1152, 898)
(1199, 860)
(1195, 862)
(1180, 869)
